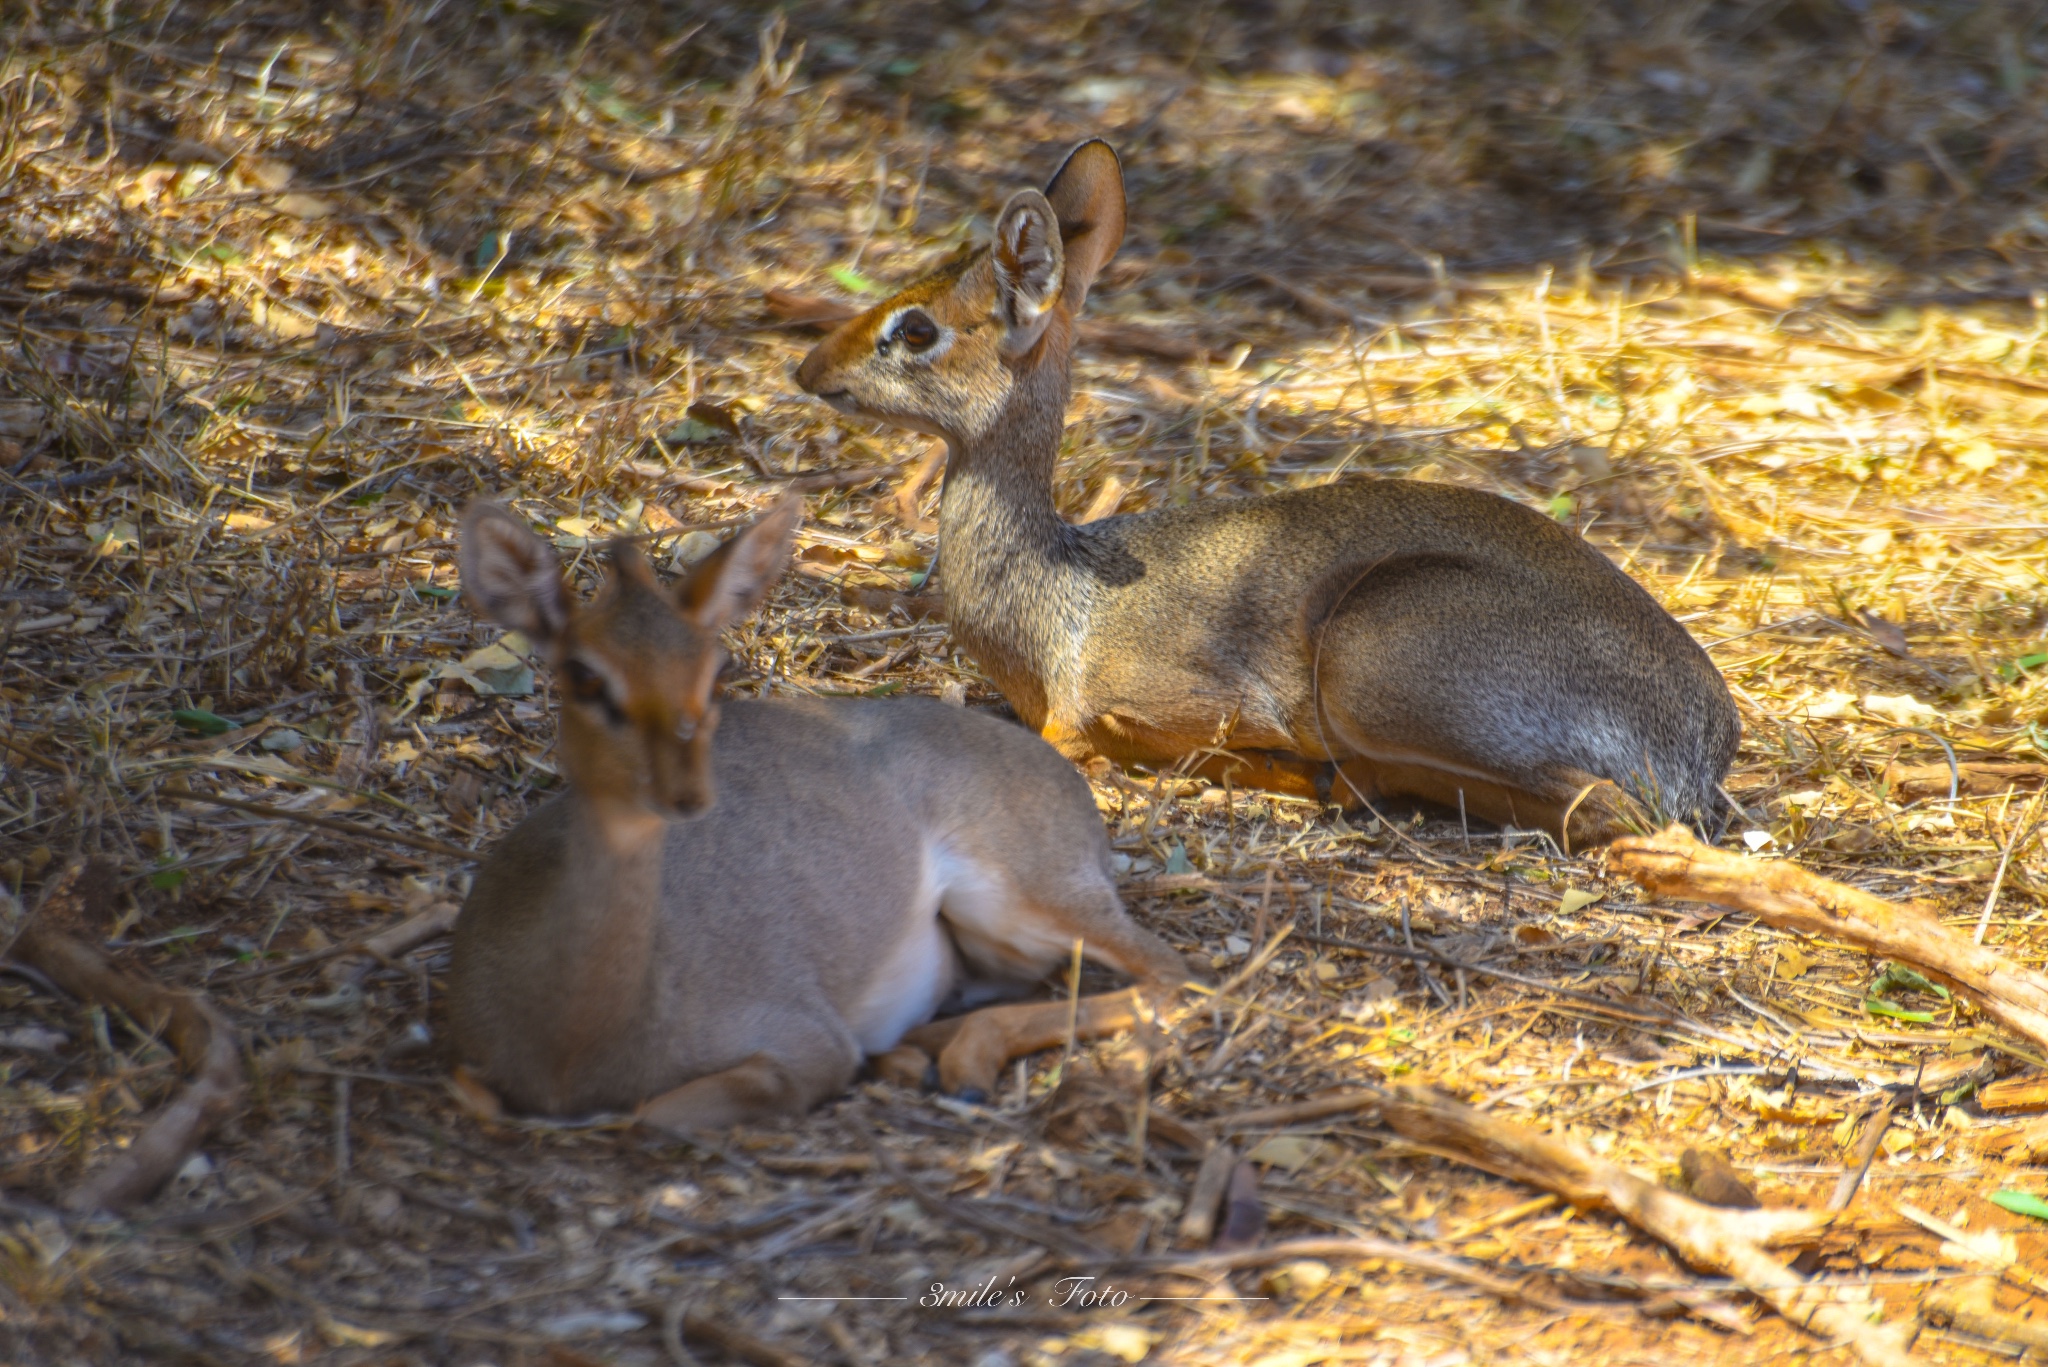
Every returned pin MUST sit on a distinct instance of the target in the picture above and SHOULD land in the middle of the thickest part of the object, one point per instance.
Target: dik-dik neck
(1011, 567)
(599, 937)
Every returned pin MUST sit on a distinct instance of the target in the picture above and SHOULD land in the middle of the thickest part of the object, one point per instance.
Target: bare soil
(1750, 293)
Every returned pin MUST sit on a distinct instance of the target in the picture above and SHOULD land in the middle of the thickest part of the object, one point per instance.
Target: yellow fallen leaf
(693, 547)
(297, 205)
(343, 1335)
(1901, 709)
(1575, 900)
(1289, 1151)
(1128, 1342)
(1976, 456)
(1831, 704)
(114, 538)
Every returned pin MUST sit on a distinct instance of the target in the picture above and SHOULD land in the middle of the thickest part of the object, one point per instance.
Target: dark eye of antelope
(915, 330)
(586, 685)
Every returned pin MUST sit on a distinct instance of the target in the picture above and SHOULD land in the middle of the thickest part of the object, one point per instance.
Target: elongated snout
(824, 371)
(679, 782)
(810, 371)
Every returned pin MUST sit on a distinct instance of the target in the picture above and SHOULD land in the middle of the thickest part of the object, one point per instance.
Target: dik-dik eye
(915, 330)
(586, 685)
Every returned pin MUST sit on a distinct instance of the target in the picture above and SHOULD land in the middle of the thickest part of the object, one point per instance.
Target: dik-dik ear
(1029, 267)
(1087, 196)
(730, 582)
(510, 575)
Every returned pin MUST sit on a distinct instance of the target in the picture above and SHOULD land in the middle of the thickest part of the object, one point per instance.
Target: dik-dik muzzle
(930, 359)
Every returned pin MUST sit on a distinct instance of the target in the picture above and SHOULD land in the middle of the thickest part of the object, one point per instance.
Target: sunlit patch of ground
(1748, 294)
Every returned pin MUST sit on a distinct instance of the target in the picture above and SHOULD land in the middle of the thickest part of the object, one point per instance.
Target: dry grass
(1744, 291)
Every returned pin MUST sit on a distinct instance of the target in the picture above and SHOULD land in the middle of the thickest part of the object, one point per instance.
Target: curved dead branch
(206, 1044)
(1730, 1243)
(1673, 864)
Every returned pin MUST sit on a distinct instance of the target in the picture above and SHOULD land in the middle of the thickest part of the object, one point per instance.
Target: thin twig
(370, 835)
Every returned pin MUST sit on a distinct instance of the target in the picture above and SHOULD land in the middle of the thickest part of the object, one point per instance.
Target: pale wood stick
(1673, 864)
(351, 830)
(1729, 1243)
(1205, 1196)
(1968, 1306)
(1368, 1246)
(384, 946)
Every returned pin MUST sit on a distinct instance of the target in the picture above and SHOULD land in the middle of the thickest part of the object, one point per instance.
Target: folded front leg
(760, 1087)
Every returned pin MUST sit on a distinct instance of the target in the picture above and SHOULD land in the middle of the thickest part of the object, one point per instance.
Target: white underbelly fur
(962, 911)
(908, 986)
(997, 936)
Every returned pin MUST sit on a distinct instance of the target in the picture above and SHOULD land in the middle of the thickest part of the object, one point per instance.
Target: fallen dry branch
(384, 947)
(1975, 779)
(1367, 1246)
(1205, 1196)
(206, 1045)
(1673, 864)
(1729, 1243)
(678, 1322)
(369, 835)
(1969, 1306)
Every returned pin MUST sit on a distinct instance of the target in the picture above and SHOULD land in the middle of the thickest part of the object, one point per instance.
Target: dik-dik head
(947, 355)
(638, 664)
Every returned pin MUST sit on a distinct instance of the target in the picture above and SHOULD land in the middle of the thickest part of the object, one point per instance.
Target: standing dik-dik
(717, 933)
(1355, 640)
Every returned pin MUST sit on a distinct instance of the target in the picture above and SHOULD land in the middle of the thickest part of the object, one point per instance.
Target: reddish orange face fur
(635, 679)
(636, 668)
(947, 355)
(930, 359)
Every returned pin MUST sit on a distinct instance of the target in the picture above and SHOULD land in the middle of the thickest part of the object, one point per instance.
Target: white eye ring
(685, 729)
(891, 335)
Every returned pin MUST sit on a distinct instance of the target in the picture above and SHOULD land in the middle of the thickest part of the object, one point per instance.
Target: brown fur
(1367, 639)
(716, 933)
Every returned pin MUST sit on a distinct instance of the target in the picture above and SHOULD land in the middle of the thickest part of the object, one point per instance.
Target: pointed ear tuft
(629, 561)
(510, 575)
(1087, 195)
(1029, 266)
(731, 582)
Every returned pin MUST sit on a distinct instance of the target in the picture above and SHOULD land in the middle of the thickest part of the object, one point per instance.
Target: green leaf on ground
(2021, 1203)
(851, 279)
(1896, 976)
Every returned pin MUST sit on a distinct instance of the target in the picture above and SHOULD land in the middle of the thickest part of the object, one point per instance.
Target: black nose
(686, 805)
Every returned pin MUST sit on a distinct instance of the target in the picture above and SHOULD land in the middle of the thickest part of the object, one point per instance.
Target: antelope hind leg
(1598, 811)
(987, 1039)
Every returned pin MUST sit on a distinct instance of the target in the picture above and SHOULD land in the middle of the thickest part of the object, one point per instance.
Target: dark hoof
(973, 1096)
(930, 1082)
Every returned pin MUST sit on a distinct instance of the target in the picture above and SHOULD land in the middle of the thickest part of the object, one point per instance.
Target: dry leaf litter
(1749, 293)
